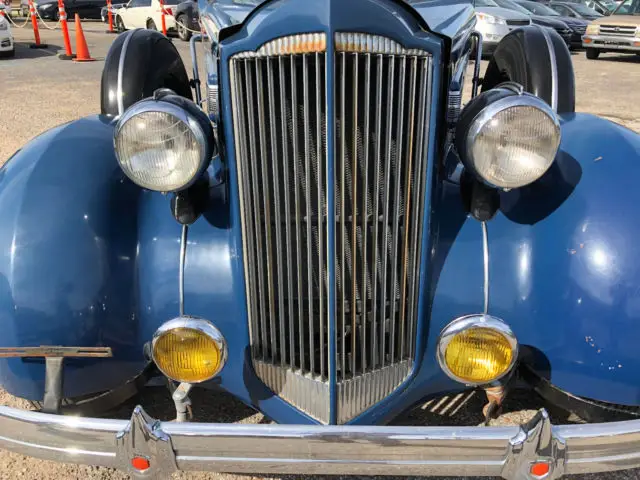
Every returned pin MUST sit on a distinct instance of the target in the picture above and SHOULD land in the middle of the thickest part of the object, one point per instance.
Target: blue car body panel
(91, 259)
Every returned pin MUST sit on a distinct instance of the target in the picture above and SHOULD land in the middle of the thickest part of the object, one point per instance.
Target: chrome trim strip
(485, 265)
(554, 68)
(363, 450)
(123, 54)
(54, 351)
(367, 43)
(300, 44)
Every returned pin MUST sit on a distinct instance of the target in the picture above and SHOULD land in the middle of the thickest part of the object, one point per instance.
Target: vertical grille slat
(381, 98)
(284, 120)
(387, 198)
(342, 282)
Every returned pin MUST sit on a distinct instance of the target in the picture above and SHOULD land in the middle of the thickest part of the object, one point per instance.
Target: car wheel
(524, 56)
(151, 25)
(592, 53)
(119, 25)
(183, 33)
(55, 15)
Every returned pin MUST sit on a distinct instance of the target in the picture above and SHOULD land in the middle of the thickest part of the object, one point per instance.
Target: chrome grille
(618, 30)
(381, 95)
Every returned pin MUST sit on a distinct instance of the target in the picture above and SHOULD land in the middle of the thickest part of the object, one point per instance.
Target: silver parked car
(494, 22)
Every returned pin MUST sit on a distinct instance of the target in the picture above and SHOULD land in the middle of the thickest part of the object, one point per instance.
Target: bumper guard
(509, 452)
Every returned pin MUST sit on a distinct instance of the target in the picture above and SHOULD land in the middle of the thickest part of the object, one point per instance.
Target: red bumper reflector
(540, 469)
(140, 463)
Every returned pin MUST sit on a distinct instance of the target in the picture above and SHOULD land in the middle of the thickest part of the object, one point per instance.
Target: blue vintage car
(333, 240)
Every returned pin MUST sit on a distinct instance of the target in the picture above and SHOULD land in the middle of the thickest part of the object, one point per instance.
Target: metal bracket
(535, 442)
(54, 356)
(143, 438)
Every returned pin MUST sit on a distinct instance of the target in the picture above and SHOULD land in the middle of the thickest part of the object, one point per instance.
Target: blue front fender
(88, 259)
(564, 263)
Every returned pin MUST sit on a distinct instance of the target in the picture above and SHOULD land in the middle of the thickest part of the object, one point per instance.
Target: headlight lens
(592, 29)
(477, 349)
(510, 142)
(162, 146)
(491, 19)
(189, 350)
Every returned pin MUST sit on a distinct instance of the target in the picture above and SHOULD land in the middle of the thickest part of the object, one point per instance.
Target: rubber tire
(592, 53)
(183, 33)
(151, 25)
(120, 25)
(523, 57)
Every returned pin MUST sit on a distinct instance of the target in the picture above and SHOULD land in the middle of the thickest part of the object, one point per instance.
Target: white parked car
(5, 5)
(7, 48)
(145, 14)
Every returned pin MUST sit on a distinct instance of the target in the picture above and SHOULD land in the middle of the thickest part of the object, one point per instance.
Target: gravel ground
(39, 91)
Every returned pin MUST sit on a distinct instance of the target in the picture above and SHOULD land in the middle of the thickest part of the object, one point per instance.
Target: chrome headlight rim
(162, 104)
(490, 111)
(466, 322)
(193, 323)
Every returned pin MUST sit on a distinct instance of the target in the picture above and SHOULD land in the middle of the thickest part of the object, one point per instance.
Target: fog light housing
(189, 349)
(477, 349)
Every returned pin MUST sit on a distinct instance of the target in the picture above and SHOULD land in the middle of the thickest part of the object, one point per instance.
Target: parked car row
(6, 39)
(496, 18)
(182, 17)
(618, 32)
(609, 26)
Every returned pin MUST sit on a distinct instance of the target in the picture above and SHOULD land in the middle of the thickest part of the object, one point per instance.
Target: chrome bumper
(169, 446)
(604, 42)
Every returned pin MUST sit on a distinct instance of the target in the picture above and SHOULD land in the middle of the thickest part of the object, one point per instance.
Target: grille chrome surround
(618, 30)
(380, 129)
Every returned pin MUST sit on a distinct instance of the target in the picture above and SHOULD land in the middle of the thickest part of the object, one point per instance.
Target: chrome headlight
(490, 19)
(477, 349)
(592, 29)
(508, 138)
(164, 143)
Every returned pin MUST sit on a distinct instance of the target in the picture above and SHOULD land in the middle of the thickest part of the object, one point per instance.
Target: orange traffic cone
(82, 51)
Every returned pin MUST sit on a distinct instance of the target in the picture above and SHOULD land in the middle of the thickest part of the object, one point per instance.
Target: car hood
(503, 13)
(572, 21)
(619, 20)
(548, 22)
(446, 17)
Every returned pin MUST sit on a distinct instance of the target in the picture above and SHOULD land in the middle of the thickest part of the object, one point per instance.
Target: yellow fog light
(188, 349)
(477, 349)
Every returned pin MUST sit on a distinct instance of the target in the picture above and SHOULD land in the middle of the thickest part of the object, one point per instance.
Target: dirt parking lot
(39, 91)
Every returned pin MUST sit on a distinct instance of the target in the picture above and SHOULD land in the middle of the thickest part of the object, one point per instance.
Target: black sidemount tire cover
(149, 61)
(532, 57)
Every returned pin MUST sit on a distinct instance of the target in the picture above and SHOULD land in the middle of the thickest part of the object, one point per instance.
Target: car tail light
(169, 11)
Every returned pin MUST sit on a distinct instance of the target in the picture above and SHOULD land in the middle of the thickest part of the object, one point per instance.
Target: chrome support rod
(485, 257)
(183, 257)
(476, 67)
(198, 37)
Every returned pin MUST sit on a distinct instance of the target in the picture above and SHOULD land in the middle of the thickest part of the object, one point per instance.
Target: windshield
(584, 10)
(539, 9)
(486, 3)
(513, 6)
(629, 7)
